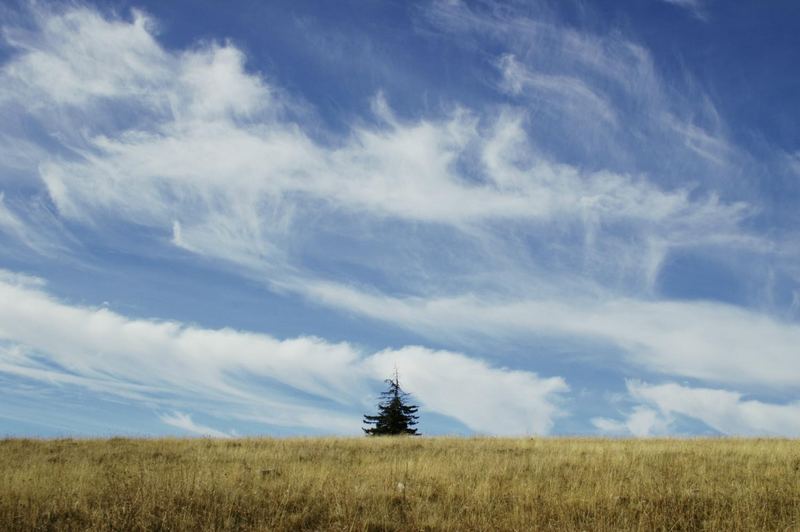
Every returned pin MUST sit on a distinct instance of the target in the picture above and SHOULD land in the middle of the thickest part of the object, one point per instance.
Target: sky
(553, 218)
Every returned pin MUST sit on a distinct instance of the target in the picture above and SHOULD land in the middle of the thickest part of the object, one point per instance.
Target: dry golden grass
(400, 484)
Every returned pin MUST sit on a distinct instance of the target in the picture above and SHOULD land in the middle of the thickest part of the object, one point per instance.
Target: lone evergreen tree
(394, 415)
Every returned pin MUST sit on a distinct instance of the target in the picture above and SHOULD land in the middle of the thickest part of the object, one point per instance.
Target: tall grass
(399, 484)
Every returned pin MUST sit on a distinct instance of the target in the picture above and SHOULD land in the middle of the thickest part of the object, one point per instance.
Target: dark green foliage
(394, 417)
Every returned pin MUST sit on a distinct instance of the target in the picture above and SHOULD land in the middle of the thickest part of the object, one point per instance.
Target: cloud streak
(703, 340)
(696, 7)
(725, 411)
(552, 210)
(212, 156)
(184, 422)
(232, 374)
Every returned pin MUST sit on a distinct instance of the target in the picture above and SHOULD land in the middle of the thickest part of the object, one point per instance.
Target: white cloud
(245, 375)
(695, 7)
(641, 422)
(191, 151)
(21, 279)
(216, 85)
(30, 223)
(725, 411)
(185, 422)
(78, 56)
(8, 220)
(208, 152)
(499, 401)
(493, 236)
(600, 93)
(703, 340)
(573, 95)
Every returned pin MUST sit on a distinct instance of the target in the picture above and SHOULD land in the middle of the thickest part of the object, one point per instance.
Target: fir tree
(394, 415)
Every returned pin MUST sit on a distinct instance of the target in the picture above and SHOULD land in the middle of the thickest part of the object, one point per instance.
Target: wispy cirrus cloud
(696, 7)
(185, 422)
(8, 220)
(703, 340)
(209, 151)
(550, 211)
(216, 125)
(641, 422)
(31, 225)
(301, 383)
(725, 411)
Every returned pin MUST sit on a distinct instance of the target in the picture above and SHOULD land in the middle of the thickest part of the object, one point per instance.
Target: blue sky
(551, 217)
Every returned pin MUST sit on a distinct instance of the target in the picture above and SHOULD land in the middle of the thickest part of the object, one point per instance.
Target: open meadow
(399, 484)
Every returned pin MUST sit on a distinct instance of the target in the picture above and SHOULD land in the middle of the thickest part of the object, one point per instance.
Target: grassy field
(399, 484)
